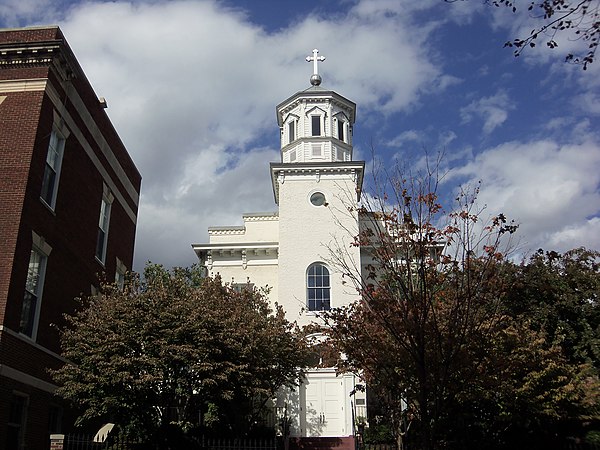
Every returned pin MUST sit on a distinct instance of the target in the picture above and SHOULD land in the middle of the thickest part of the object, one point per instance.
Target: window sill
(316, 313)
(99, 261)
(50, 208)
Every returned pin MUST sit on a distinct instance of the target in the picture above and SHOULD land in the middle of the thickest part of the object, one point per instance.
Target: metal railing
(86, 442)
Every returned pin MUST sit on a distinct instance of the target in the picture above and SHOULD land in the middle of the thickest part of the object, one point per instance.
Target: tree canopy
(161, 350)
(434, 333)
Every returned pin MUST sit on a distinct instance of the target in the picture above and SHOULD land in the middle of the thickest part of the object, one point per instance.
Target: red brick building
(69, 195)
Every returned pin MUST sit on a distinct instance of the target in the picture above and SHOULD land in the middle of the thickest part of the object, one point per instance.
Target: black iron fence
(379, 446)
(86, 442)
(238, 444)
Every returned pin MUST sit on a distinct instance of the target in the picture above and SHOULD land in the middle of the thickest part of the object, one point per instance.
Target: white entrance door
(324, 405)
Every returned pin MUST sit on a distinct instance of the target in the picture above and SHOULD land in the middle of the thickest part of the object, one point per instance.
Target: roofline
(311, 92)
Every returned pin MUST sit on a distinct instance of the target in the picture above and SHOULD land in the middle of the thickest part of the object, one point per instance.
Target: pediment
(316, 110)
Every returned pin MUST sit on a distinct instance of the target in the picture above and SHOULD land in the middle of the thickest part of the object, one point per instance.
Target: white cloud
(405, 136)
(492, 110)
(550, 189)
(192, 86)
(585, 233)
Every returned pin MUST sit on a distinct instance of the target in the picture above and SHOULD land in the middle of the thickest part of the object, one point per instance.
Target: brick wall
(19, 112)
(70, 229)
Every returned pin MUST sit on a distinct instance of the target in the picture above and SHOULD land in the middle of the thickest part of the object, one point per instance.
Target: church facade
(316, 187)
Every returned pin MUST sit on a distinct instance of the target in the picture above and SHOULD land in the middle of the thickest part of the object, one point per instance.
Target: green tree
(560, 293)
(155, 353)
(431, 332)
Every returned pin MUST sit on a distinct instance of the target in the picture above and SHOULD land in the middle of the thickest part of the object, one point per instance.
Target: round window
(317, 199)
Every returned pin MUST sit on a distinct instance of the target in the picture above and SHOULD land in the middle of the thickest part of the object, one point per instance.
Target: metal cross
(315, 59)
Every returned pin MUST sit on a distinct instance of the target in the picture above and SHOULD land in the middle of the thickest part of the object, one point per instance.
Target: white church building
(316, 187)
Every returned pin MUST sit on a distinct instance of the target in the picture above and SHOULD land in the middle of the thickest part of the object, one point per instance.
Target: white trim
(27, 379)
(31, 85)
(39, 242)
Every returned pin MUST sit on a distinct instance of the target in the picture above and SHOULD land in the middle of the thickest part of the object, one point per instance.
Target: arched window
(318, 288)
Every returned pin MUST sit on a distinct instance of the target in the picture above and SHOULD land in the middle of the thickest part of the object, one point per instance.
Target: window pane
(52, 169)
(100, 244)
(318, 290)
(340, 130)
(28, 314)
(291, 131)
(54, 150)
(102, 229)
(316, 125)
(48, 184)
(32, 293)
(103, 220)
(16, 419)
(33, 272)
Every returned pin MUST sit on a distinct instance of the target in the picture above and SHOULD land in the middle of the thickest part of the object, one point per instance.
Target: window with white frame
(293, 156)
(34, 284)
(341, 127)
(103, 223)
(52, 169)
(318, 288)
(291, 131)
(315, 125)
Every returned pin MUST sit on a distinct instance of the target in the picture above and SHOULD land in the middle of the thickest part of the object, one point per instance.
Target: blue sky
(192, 87)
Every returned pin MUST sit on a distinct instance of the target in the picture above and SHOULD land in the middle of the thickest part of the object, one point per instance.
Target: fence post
(57, 441)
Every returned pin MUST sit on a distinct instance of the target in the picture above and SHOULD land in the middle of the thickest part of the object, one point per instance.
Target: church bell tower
(297, 249)
(317, 186)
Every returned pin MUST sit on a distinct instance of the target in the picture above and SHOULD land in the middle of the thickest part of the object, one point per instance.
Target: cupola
(316, 124)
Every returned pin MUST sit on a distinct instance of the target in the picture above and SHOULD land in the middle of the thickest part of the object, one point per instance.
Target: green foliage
(561, 296)
(593, 438)
(378, 434)
(159, 351)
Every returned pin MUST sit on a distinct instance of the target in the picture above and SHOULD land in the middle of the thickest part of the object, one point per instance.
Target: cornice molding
(315, 96)
(224, 231)
(261, 217)
(279, 172)
(41, 53)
